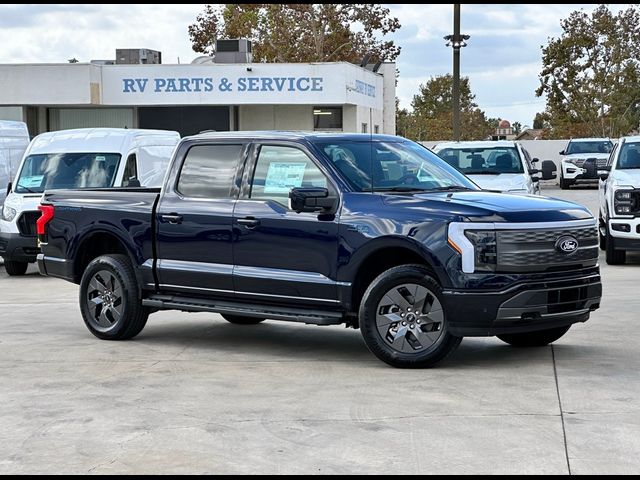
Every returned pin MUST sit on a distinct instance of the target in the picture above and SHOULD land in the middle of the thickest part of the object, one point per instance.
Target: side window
(279, 169)
(130, 170)
(208, 171)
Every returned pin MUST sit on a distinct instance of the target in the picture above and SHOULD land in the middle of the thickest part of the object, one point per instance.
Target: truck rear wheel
(241, 320)
(15, 269)
(534, 339)
(403, 320)
(109, 300)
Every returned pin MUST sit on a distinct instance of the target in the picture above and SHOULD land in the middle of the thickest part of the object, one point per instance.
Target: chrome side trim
(285, 275)
(195, 267)
(248, 293)
(457, 236)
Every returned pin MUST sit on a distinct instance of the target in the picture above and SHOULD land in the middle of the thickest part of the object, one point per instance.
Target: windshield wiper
(26, 188)
(482, 172)
(400, 188)
(449, 187)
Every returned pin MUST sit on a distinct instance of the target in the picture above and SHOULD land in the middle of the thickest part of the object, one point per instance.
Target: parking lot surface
(195, 394)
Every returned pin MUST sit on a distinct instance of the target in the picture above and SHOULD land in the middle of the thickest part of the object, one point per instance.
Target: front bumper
(524, 307)
(15, 247)
(633, 235)
(573, 172)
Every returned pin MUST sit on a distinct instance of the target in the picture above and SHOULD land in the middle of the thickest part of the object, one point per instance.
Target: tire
(423, 340)
(565, 184)
(534, 339)
(613, 256)
(15, 269)
(240, 320)
(110, 280)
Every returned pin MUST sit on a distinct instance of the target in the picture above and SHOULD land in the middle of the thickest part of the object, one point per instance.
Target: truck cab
(582, 160)
(619, 194)
(81, 158)
(498, 165)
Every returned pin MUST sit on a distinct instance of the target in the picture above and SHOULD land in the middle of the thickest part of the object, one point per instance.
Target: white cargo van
(14, 139)
(82, 158)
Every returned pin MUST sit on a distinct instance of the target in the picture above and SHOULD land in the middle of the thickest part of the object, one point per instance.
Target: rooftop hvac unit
(233, 51)
(133, 56)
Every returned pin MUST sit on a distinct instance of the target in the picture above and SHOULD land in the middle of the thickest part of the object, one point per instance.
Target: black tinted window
(209, 170)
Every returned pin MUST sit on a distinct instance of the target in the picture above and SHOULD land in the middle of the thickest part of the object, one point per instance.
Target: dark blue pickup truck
(372, 231)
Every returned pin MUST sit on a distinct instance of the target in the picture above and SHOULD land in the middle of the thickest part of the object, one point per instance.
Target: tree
(517, 127)
(432, 111)
(298, 32)
(539, 121)
(591, 74)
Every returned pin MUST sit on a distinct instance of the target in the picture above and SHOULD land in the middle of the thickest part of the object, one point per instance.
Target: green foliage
(591, 74)
(432, 117)
(299, 32)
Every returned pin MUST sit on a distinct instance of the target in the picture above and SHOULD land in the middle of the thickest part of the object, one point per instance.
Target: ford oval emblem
(567, 244)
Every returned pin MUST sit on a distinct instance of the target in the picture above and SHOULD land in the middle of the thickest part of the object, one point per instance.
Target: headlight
(8, 213)
(625, 202)
(485, 249)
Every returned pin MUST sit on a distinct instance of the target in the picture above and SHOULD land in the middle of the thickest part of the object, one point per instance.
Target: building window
(376, 129)
(327, 118)
(365, 128)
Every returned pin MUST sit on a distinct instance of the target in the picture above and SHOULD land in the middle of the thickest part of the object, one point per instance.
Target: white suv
(496, 165)
(619, 193)
(582, 160)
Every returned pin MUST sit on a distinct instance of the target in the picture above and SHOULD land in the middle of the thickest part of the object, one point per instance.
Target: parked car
(583, 159)
(500, 165)
(14, 138)
(83, 158)
(372, 231)
(619, 192)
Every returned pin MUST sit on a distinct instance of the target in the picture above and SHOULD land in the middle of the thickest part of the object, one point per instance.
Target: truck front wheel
(614, 256)
(109, 300)
(403, 320)
(534, 339)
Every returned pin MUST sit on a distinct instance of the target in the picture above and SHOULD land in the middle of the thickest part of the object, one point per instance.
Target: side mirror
(133, 183)
(533, 171)
(9, 188)
(561, 152)
(604, 172)
(535, 179)
(548, 170)
(534, 160)
(311, 199)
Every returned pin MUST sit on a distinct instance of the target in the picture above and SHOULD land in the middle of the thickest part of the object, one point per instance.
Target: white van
(14, 139)
(82, 158)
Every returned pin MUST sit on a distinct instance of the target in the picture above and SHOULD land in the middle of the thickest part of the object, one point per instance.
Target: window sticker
(30, 182)
(282, 177)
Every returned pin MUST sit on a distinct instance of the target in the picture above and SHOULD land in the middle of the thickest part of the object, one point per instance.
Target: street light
(456, 41)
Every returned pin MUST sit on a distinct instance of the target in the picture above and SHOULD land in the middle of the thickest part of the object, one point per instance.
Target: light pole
(456, 41)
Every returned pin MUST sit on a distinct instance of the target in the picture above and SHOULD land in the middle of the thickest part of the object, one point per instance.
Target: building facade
(191, 98)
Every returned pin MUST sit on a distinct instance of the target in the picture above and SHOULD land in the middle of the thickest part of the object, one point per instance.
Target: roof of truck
(298, 135)
(103, 140)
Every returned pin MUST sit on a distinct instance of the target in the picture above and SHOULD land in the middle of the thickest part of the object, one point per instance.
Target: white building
(191, 98)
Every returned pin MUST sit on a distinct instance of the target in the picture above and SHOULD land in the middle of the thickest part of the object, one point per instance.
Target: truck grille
(600, 162)
(535, 250)
(27, 223)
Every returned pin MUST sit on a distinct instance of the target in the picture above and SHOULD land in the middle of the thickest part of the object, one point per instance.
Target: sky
(502, 59)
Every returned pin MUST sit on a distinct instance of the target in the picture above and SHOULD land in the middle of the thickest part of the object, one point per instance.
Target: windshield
(629, 156)
(392, 166)
(483, 161)
(67, 170)
(589, 147)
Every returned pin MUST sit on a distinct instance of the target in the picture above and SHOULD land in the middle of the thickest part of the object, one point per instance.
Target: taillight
(46, 216)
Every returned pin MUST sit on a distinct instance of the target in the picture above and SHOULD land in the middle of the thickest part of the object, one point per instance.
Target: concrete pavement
(194, 394)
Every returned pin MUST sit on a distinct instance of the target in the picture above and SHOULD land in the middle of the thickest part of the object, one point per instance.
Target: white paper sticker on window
(30, 182)
(282, 177)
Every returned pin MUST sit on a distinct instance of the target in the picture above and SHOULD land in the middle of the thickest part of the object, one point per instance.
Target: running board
(187, 304)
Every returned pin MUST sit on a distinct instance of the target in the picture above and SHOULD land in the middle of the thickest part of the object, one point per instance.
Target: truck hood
(584, 156)
(482, 206)
(630, 177)
(502, 181)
